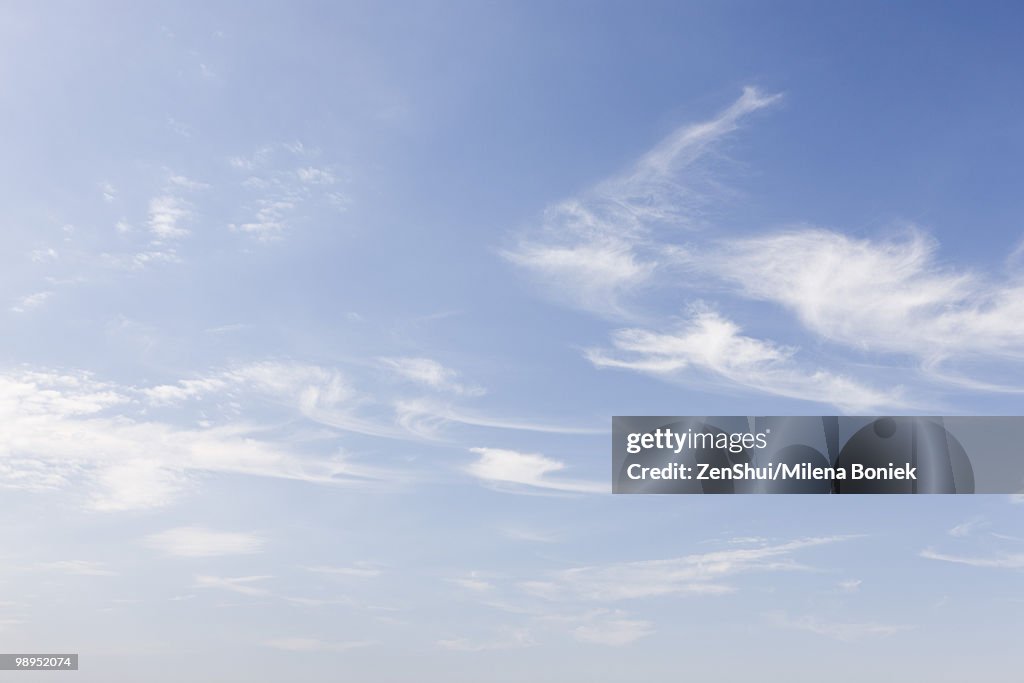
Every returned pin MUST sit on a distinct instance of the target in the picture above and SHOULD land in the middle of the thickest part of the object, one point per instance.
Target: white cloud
(286, 194)
(57, 432)
(595, 274)
(888, 296)
(270, 222)
(156, 252)
(605, 627)
(850, 585)
(596, 248)
(589, 591)
(967, 528)
(709, 343)
(186, 183)
(474, 582)
(1009, 561)
(613, 632)
(316, 176)
(895, 296)
(136, 484)
(424, 418)
(196, 541)
(42, 393)
(507, 467)
(30, 302)
(237, 584)
(167, 213)
(319, 394)
(698, 574)
(430, 373)
(184, 389)
(44, 255)
(109, 192)
(295, 644)
(842, 631)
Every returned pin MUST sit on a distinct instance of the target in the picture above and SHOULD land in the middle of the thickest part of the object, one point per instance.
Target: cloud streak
(599, 247)
(1008, 561)
(697, 574)
(513, 470)
(60, 429)
(243, 585)
(196, 541)
(645, 231)
(713, 345)
(841, 631)
(888, 296)
(429, 373)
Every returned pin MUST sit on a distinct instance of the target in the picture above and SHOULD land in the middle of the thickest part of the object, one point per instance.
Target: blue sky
(314, 317)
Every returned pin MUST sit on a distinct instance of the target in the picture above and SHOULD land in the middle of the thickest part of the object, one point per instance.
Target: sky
(314, 317)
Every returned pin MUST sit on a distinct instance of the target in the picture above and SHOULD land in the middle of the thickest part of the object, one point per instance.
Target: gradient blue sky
(314, 317)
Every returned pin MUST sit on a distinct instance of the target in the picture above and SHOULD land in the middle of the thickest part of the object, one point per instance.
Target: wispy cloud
(186, 183)
(513, 469)
(967, 528)
(512, 640)
(596, 248)
(321, 394)
(167, 217)
(842, 631)
(894, 297)
(426, 418)
(698, 574)
(196, 541)
(327, 396)
(596, 273)
(109, 192)
(610, 628)
(44, 255)
(243, 585)
(889, 296)
(316, 176)
(583, 602)
(284, 188)
(474, 582)
(1006, 561)
(709, 343)
(30, 302)
(850, 585)
(430, 373)
(59, 430)
(269, 222)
